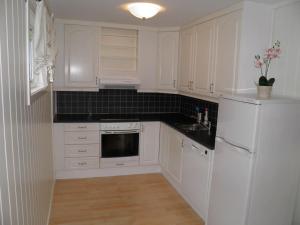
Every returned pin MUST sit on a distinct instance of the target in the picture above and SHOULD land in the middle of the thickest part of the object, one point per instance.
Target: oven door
(117, 144)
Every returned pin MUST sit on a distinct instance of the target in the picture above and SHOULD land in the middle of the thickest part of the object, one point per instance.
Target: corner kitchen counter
(171, 119)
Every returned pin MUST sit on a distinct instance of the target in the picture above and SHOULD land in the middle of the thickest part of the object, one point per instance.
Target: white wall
(255, 36)
(286, 28)
(286, 70)
(26, 175)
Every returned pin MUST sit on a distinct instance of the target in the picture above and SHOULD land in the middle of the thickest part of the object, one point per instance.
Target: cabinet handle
(191, 85)
(174, 83)
(97, 81)
(119, 164)
(211, 88)
(82, 163)
(81, 151)
(82, 127)
(82, 138)
(142, 127)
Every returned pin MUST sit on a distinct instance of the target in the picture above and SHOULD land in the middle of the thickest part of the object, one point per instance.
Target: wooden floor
(124, 200)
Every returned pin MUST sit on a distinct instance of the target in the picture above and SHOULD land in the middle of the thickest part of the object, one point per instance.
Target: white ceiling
(177, 12)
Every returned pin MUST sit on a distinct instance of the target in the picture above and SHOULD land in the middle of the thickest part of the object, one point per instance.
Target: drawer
(84, 137)
(82, 163)
(81, 127)
(82, 150)
(112, 164)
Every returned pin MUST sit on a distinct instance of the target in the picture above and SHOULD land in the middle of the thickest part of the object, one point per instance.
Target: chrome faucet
(206, 123)
(209, 128)
(199, 117)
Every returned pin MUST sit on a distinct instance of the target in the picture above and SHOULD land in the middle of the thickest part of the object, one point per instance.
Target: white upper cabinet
(186, 59)
(209, 55)
(167, 60)
(81, 56)
(226, 52)
(204, 40)
(147, 59)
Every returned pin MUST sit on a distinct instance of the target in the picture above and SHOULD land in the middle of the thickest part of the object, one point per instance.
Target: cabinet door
(147, 59)
(164, 146)
(168, 60)
(195, 176)
(175, 155)
(81, 55)
(204, 38)
(226, 53)
(149, 147)
(186, 59)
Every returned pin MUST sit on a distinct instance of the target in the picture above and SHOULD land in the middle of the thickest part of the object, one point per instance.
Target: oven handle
(121, 132)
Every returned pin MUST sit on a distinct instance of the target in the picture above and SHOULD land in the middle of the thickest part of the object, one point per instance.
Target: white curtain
(51, 49)
(44, 49)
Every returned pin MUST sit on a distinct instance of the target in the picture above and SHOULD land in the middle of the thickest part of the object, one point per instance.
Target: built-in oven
(119, 144)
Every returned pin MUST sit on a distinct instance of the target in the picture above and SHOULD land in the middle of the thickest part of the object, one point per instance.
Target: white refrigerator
(256, 162)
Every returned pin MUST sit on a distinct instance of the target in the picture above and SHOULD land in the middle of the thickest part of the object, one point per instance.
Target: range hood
(119, 82)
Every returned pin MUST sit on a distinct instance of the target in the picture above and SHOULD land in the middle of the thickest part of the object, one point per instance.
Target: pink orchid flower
(258, 63)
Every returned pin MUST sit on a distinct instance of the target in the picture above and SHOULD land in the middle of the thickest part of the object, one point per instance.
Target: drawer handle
(82, 163)
(82, 127)
(119, 164)
(84, 150)
(82, 138)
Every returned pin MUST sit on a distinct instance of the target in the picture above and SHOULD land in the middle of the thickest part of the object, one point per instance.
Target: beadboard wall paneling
(26, 174)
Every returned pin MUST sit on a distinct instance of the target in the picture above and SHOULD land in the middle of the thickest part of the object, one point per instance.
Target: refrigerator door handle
(229, 143)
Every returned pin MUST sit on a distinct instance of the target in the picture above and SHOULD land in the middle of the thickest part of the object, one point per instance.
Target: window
(37, 56)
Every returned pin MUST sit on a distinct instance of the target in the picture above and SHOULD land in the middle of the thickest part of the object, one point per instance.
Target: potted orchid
(264, 85)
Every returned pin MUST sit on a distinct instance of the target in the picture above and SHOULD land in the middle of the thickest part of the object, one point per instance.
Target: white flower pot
(264, 92)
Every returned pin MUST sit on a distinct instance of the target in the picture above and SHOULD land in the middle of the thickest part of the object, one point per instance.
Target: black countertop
(172, 119)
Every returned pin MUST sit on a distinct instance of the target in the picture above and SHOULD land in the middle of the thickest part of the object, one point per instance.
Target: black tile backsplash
(188, 107)
(116, 101)
(122, 101)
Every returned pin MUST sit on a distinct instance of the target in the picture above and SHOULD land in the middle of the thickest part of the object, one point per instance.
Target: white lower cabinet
(187, 166)
(171, 142)
(175, 155)
(82, 163)
(77, 152)
(76, 146)
(73, 151)
(149, 143)
(185, 163)
(164, 146)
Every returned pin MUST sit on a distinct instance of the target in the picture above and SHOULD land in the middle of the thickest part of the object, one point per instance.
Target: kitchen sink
(192, 127)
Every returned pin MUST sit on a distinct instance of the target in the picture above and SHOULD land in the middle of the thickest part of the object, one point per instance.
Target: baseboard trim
(51, 202)
(107, 172)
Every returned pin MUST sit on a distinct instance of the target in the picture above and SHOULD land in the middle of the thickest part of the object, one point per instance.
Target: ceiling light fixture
(143, 10)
